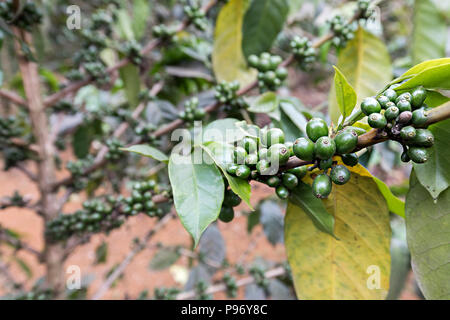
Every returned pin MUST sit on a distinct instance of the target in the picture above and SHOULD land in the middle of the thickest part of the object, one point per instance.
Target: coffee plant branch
(73, 87)
(273, 273)
(18, 244)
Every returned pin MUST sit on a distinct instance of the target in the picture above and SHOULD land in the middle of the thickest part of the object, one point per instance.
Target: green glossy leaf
(430, 32)
(198, 191)
(366, 64)
(228, 60)
(147, 151)
(427, 229)
(303, 197)
(345, 94)
(436, 77)
(263, 21)
(141, 13)
(435, 98)
(222, 130)
(326, 268)
(222, 154)
(418, 68)
(434, 174)
(395, 205)
(264, 103)
(132, 83)
(295, 111)
(101, 253)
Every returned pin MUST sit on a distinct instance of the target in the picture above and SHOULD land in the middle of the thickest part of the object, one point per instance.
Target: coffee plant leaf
(431, 78)
(164, 258)
(427, 224)
(436, 98)
(222, 154)
(198, 191)
(345, 94)
(434, 174)
(224, 130)
(357, 266)
(367, 66)
(303, 198)
(263, 21)
(147, 151)
(265, 103)
(132, 83)
(272, 221)
(395, 205)
(212, 248)
(429, 32)
(228, 59)
(141, 14)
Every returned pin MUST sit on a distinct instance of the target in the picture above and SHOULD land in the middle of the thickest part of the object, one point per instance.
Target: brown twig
(19, 245)
(13, 97)
(273, 273)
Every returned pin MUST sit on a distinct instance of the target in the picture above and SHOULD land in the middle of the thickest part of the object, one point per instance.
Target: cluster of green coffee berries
(97, 70)
(16, 200)
(96, 216)
(36, 294)
(77, 169)
(303, 51)
(230, 200)
(26, 18)
(9, 128)
(132, 50)
(403, 117)
(342, 31)
(140, 200)
(364, 9)
(226, 93)
(196, 15)
(231, 285)
(191, 111)
(270, 75)
(166, 293)
(101, 20)
(163, 32)
(259, 276)
(145, 132)
(64, 106)
(114, 152)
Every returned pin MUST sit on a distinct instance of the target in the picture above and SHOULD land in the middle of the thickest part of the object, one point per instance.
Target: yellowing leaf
(355, 267)
(228, 59)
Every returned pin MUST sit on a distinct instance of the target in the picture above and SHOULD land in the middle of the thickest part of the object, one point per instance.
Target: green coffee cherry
(346, 141)
(231, 169)
(239, 155)
(404, 96)
(316, 128)
(391, 94)
(324, 148)
(273, 136)
(377, 120)
(418, 97)
(423, 138)
(321, 186)
(249, 144)
(231, 199)
(273, 181)
(304, 149)
(263, 166)
(408, 133)
(350, 159)
(418, 154)
(370, 105)
(299, 172)
(403, 105)
(226, 214)
(391, 113)
(325, 164)
(253, 61)
(251, 159)
(282, 192)
(242, 171)
(340, 174)
(262, 154)
(281, 73)
(383, 100)
(289, 180)
(405, 157)
(278, 153)
(419, 117)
